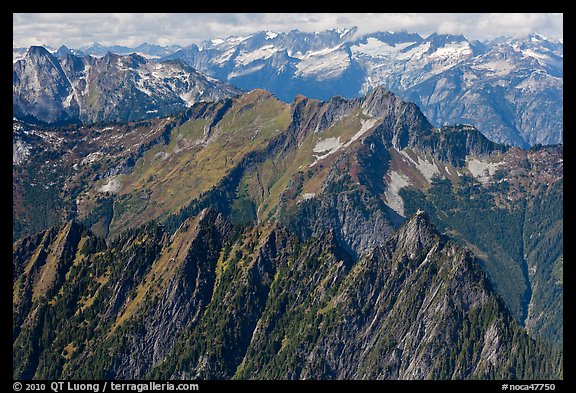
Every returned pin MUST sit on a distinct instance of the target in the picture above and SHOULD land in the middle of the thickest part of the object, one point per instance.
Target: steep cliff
(212, 303)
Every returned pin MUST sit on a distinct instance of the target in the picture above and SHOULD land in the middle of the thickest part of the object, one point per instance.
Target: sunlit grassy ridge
(168, 177)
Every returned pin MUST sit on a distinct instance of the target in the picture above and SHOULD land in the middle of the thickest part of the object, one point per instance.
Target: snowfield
(366, 125)
(427, 168)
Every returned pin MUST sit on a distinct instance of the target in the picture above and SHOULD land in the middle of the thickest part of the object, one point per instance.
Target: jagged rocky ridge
(339, 166)
(208, 302)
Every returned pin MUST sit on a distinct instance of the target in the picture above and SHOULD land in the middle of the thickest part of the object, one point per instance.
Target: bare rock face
(180, 297)
(41, 88)
(401, 312)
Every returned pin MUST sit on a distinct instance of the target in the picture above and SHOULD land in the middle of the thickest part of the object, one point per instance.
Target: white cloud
(131, 29)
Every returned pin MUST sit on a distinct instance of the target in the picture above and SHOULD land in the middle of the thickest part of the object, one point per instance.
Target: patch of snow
(453, 50)
(498, 68)
(147, 55)
(68, 100)
(321, 52)
(189, 97)
(469, 77)
(159, 74)
(264, 52)
(308, 195)
(296, 55)
(271, 35)
(144, 89)
(396, 181)
(245, 71)
(538, 80)
(327, 146)
(366, 125)
(224, 57)
(324, 64)
(528, 84)
(49, 137)
(92, 157)
(20, 152)
(426, 168)
(143, 81)
(376, 48)
(161, 155)
(531, 53)
(416, 52)
(342, 32)
(17, 56)
(210, 79)
(236, 40)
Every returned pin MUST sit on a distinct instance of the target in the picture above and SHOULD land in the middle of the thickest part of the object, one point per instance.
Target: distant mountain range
(511, 89)
(150, 51)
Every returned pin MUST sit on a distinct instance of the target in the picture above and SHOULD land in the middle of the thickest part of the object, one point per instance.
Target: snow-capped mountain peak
(453, 79)
(433, 71)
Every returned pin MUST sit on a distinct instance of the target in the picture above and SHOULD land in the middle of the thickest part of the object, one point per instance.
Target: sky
(77, 30)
